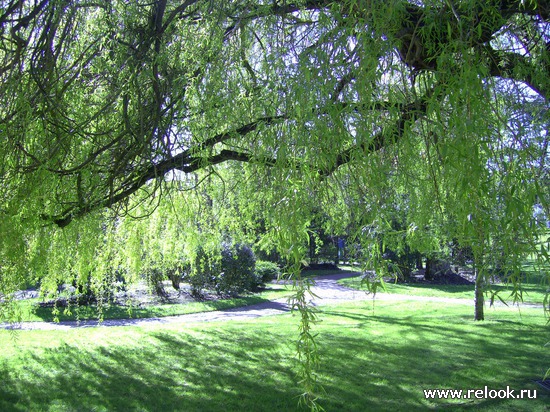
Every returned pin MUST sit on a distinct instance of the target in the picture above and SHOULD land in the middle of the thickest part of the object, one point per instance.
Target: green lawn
(373, 359)
(531, 293)
(533, 289)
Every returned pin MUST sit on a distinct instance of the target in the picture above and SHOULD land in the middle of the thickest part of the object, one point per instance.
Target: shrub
(266, 271)
(237, 275)
(154, 277)
(267, 255)
(231, 274)
(401, 264)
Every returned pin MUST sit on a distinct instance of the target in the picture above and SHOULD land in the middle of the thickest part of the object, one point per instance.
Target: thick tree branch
(409, 113)
(188, 161)
(131, 158)
(517, 67)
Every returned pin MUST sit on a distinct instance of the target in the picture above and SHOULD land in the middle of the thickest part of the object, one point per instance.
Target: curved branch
(517, 67)
(409, 113)
(188, 161)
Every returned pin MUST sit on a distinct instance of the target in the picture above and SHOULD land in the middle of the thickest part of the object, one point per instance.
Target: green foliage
(155, 278)
(266, 271)
(204, 271)
(401, 265)
(227, 271)
(237, 270)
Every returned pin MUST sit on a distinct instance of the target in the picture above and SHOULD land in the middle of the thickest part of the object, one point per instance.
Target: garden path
(326, 290)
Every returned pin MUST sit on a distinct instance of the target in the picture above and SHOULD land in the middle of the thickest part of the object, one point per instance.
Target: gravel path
(326, 288)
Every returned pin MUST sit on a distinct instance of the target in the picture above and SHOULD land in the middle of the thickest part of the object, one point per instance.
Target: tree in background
(216, 118)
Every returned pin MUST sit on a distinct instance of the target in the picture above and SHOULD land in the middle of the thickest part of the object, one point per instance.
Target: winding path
(326, 289)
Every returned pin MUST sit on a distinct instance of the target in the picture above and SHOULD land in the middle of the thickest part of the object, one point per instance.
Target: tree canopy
(244, 116)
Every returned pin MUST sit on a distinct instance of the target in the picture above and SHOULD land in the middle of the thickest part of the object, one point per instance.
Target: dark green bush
(237, 274)
(230, 274)
(269, 255)
(401, 264)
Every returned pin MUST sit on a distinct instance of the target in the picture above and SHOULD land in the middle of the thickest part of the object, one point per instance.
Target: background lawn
(533, 289)
(531, 293)
(374, 358)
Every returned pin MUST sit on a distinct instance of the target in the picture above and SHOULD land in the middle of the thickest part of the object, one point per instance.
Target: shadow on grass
(374, 362)
(531, 292)
(170, 372)
(443, 288)
(405, 355)
(528, 287)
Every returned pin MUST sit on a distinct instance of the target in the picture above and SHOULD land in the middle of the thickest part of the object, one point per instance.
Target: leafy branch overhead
(101, 98)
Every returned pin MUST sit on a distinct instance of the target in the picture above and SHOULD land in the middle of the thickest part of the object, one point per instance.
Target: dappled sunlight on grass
(131, 369)
(402, 353)
(373, 358)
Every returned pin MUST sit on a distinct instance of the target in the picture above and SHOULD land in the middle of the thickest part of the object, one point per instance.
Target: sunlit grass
(374, 358)
(529, 293)
(532, 289)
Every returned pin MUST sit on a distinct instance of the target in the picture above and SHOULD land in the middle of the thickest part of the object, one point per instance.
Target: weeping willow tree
(134, 130)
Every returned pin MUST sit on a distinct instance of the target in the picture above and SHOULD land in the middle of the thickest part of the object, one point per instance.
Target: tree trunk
(428, 275)
(419, 261)
(479, 298)
(312, 257)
